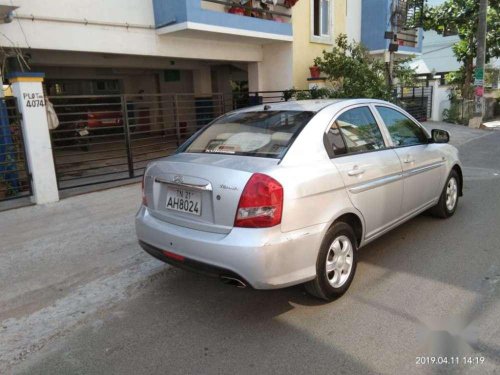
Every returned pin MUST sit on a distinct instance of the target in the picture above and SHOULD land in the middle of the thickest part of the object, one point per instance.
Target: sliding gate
(109, 138)
(15, 178)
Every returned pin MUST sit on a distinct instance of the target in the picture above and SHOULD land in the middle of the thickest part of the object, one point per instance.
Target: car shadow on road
(186, 323)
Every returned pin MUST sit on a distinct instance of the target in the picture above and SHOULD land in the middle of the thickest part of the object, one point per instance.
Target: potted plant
(236, 9)
(290, 3)
(315, 71)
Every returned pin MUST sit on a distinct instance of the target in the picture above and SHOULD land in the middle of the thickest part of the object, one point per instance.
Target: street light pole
(477, 119)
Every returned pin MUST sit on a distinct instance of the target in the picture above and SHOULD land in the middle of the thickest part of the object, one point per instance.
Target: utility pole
(390, 58)
(477, 119)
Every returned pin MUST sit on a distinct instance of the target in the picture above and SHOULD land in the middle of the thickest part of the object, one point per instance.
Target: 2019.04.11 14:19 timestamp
(464, 360)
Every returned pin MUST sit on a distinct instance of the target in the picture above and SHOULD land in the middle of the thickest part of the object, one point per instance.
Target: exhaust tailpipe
(233, 281)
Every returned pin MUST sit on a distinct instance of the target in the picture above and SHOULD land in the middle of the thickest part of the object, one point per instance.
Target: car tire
(338, 251)
(448, 201)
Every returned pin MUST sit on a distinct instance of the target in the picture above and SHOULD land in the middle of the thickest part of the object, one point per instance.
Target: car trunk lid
(210, 185)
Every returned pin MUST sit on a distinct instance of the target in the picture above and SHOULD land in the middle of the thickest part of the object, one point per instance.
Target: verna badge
(223, 186)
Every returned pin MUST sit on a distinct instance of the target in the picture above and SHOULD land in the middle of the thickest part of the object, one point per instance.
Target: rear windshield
(264, 134)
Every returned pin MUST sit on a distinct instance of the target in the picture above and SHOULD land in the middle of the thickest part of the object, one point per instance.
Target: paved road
(429, 288)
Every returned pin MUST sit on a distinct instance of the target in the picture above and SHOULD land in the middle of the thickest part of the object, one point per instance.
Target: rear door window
(354, 131)
(262, 133)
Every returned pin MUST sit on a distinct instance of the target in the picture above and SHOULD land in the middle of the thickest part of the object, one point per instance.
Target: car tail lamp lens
(144, 199)
(261, 203)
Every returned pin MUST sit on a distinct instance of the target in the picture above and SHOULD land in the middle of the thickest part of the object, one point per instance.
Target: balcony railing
(235, 7)
(252, 19)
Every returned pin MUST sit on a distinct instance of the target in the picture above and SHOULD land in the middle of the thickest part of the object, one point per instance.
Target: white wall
(440, 101)
(275, 71)
(65, 36)
(353, 20)
(130, 11)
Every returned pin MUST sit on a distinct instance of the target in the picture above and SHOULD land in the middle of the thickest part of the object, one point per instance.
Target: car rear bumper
(264, 258)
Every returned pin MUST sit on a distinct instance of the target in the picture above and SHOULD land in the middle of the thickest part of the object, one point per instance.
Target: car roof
(312, 105)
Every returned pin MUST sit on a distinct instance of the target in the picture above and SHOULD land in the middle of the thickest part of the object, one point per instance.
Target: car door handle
(408, 159)
(355, 171)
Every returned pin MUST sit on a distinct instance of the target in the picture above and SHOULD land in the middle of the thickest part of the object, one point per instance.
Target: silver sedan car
(281, 194)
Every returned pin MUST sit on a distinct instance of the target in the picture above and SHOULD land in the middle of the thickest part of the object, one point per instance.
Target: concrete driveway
(79, 296)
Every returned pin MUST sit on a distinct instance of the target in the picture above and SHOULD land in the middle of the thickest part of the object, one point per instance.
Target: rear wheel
(448, 200)
(336, 264)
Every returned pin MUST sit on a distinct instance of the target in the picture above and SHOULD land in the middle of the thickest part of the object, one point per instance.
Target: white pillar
(277, 67)
(27, 88)
(436, 102)
(274, 72)
(255, 77)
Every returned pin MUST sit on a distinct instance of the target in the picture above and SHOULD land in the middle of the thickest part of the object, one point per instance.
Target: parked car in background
(281, 194)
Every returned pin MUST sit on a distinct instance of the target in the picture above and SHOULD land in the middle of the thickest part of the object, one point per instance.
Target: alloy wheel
(339, 261)
(451, 193)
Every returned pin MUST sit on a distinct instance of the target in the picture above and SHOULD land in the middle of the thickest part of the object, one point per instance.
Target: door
(370, 170)
(422, 162)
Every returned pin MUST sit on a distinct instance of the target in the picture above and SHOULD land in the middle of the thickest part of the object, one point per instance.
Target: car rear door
(371, 170)
(422, 162)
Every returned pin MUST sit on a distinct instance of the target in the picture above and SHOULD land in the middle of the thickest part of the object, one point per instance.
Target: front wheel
(336, 263)
(448, 201)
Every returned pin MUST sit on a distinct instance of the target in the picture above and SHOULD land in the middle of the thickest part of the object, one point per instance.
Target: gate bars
(106, 138)
(15, 178)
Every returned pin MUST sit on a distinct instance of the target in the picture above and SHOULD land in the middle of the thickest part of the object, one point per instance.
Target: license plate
(184, 201)
(108, 122)
(83, 132)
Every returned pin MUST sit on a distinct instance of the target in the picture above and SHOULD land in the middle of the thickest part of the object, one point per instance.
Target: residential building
(195, 46)
(376, 19)
(130, 80)
(316, 24)
(438, 57)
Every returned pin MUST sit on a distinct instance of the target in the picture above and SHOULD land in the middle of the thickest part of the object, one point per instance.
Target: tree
(461, 17)
(354, 73)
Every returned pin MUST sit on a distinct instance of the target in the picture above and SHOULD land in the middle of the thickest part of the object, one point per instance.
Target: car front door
(371, 171)
(422, 162)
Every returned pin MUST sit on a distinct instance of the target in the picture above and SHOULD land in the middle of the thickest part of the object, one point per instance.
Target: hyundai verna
(282, 194)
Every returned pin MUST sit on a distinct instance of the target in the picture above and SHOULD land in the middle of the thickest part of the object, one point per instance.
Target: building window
(321, 20)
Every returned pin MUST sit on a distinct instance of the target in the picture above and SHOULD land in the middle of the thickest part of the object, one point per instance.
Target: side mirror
(440, 136)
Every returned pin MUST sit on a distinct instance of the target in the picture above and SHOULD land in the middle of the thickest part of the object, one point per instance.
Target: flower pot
(315, 72)
(236, 10)
(290, 3)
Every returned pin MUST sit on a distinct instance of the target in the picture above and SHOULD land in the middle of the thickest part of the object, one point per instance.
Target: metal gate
(107, 138)
(417, 101)
(15, 179)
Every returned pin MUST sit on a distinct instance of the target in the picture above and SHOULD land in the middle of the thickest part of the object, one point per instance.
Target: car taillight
(144, 199)
(261, 203)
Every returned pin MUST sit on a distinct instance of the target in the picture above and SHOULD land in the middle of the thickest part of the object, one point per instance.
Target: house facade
(129, 46)
(380, 16)
(151, 72)
(316, 25)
